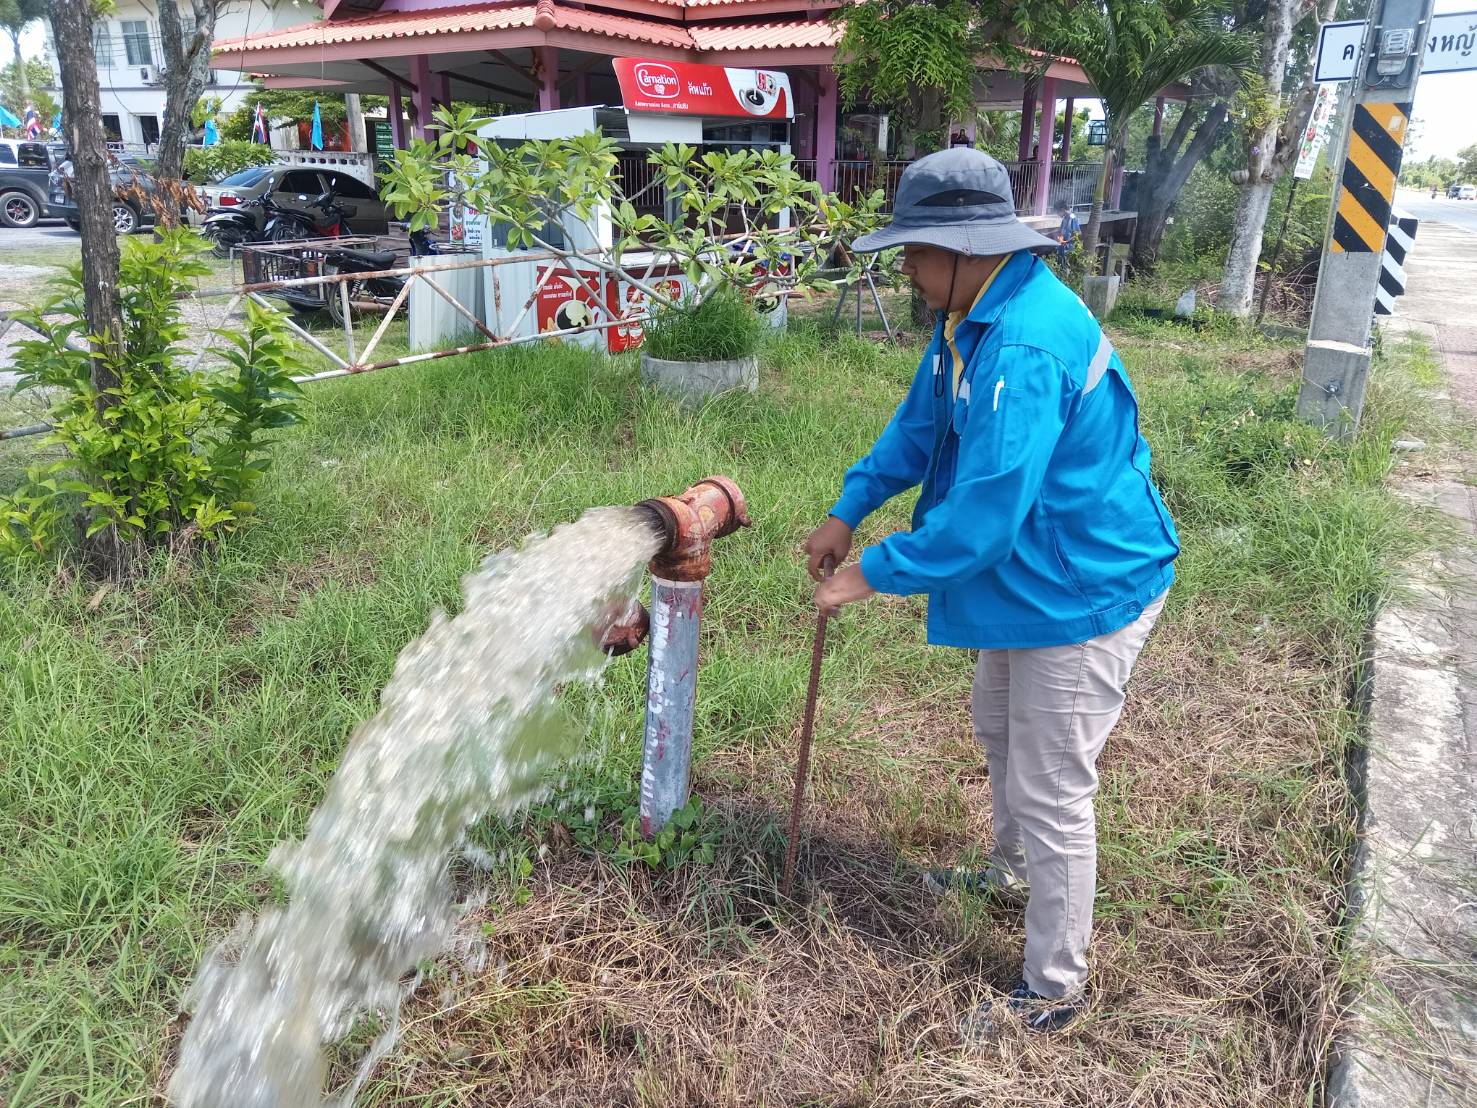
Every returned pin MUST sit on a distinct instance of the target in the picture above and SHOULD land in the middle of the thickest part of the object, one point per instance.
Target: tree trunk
(1094, 226)
(1167, 178)
(20, 69)
(187, 69)
(1112, 154)
(354, 114)
(1239, 282)
(1271, 146)
(71, 25)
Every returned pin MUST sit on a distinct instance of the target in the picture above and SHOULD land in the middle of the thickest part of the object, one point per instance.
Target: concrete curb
(1411, 1041)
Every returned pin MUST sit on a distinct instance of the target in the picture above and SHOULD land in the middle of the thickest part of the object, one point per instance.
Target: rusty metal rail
(605, 306)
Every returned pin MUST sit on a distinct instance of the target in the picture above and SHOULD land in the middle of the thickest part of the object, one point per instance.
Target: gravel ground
(29, 258)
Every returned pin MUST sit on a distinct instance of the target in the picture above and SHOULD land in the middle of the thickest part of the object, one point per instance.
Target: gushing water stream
(467, 727)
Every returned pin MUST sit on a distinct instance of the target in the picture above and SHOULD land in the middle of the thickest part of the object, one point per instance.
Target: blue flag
(317, 139)
(211, 135)
(9, 120)
(56, 122)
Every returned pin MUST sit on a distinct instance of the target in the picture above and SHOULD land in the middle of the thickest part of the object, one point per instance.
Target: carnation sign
(682, 88)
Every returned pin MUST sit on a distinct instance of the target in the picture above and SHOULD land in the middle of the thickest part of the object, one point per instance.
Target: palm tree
(1131, 49)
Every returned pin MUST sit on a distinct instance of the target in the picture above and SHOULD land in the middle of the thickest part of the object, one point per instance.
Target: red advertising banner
(565, 302)
(685, 88)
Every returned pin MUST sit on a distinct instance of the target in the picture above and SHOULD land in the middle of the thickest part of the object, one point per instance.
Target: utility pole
(1336, 361)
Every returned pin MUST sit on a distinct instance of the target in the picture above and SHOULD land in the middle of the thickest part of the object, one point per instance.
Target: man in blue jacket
(1038, 537)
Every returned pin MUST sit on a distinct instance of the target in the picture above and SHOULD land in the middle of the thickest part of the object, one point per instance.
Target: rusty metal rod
(807, 728)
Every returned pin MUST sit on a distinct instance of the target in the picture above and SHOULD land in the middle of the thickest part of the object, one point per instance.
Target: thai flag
(259, 127)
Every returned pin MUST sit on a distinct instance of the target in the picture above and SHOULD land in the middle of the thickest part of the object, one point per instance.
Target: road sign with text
(1451, 46)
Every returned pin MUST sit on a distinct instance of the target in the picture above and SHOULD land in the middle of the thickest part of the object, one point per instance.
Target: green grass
(160, 739)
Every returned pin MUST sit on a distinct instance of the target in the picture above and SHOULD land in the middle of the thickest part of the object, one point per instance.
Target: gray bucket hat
(958, 200)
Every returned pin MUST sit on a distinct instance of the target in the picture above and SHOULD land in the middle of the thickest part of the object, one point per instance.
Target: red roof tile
(438, 21)
(765, 36)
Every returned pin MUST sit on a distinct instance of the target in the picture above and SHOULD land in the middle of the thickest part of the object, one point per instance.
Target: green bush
(211, 163)
(721, 326)
(166, 456)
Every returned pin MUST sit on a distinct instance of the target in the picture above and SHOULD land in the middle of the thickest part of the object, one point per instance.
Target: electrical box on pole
(1336, 361)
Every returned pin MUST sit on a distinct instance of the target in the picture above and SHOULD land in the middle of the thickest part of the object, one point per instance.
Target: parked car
(296, 188)
(25, 170)
(1462, 192)
(133, 186)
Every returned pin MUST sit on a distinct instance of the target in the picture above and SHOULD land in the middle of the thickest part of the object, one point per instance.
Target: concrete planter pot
(694, 382)
(1100, 294)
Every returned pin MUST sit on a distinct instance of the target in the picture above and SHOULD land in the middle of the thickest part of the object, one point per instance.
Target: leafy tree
(919, 60)
(15, 16)
(211, 163)
(1440, 172)
(1468, 167)
(1129, 50)
(28, 82)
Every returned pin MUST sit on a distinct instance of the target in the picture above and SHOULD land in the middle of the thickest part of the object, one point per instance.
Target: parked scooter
(264, 220)
(379, 290)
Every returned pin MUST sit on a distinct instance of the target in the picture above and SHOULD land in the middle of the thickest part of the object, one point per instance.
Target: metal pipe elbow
(688, 524)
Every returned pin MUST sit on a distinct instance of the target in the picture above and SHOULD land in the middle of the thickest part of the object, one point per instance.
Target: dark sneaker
(986, 883)
(1022, 1007)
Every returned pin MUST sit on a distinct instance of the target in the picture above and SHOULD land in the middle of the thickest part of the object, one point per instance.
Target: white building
(130, 59)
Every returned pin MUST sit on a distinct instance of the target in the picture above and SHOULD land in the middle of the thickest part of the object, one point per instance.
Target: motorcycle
(228, 228)
(381, 290)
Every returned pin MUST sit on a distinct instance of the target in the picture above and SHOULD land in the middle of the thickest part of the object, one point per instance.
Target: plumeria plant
(743, 221)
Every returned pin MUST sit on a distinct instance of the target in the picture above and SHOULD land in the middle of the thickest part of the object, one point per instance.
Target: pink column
(548, 89)
(397, 119)
(1028, 120)
(442, 90)
(825, 129)
(1067, 132)
(582, 87)
(420, 77)
(1044, 144)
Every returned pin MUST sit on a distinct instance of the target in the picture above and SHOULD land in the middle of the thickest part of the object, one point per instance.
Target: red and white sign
(565, 302)
(684, 88)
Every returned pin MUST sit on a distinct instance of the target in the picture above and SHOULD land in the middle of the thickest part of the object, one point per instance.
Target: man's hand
(846, 587)
(832, 537)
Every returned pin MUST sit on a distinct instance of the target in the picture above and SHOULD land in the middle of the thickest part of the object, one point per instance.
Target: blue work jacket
(1037, 523)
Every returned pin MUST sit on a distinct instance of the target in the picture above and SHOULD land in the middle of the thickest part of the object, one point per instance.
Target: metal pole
(1336, 361)
(1277, 251)
(671, 693)
(807, 730)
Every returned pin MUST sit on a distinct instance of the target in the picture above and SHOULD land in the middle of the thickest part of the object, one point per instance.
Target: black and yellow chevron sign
(1370, 169)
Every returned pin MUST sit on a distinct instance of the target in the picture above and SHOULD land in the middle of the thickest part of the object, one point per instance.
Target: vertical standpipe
(671, 695)
(712, 508)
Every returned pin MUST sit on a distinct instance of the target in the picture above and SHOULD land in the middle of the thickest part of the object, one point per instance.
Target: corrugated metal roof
(765, 36)
(438, 21)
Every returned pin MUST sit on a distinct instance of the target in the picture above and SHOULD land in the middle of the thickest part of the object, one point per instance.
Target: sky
(1445, 121)
(1443, 111)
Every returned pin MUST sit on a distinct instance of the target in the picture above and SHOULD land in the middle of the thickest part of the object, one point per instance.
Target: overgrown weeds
(162, 738)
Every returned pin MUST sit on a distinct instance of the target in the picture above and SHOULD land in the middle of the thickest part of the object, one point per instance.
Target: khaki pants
(1043, 716)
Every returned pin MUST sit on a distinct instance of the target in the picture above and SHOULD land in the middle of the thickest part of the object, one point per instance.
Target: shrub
(211, 163)
(166, 456)
(723, 325)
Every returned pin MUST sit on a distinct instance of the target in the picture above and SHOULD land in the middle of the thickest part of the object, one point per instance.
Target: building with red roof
(558, 53)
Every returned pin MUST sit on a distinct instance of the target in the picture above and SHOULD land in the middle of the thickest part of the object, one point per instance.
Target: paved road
(47, 234)
(1454, 213)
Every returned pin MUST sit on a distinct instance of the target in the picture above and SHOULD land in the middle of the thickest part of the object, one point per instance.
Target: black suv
(133, 192)
(25, 168)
